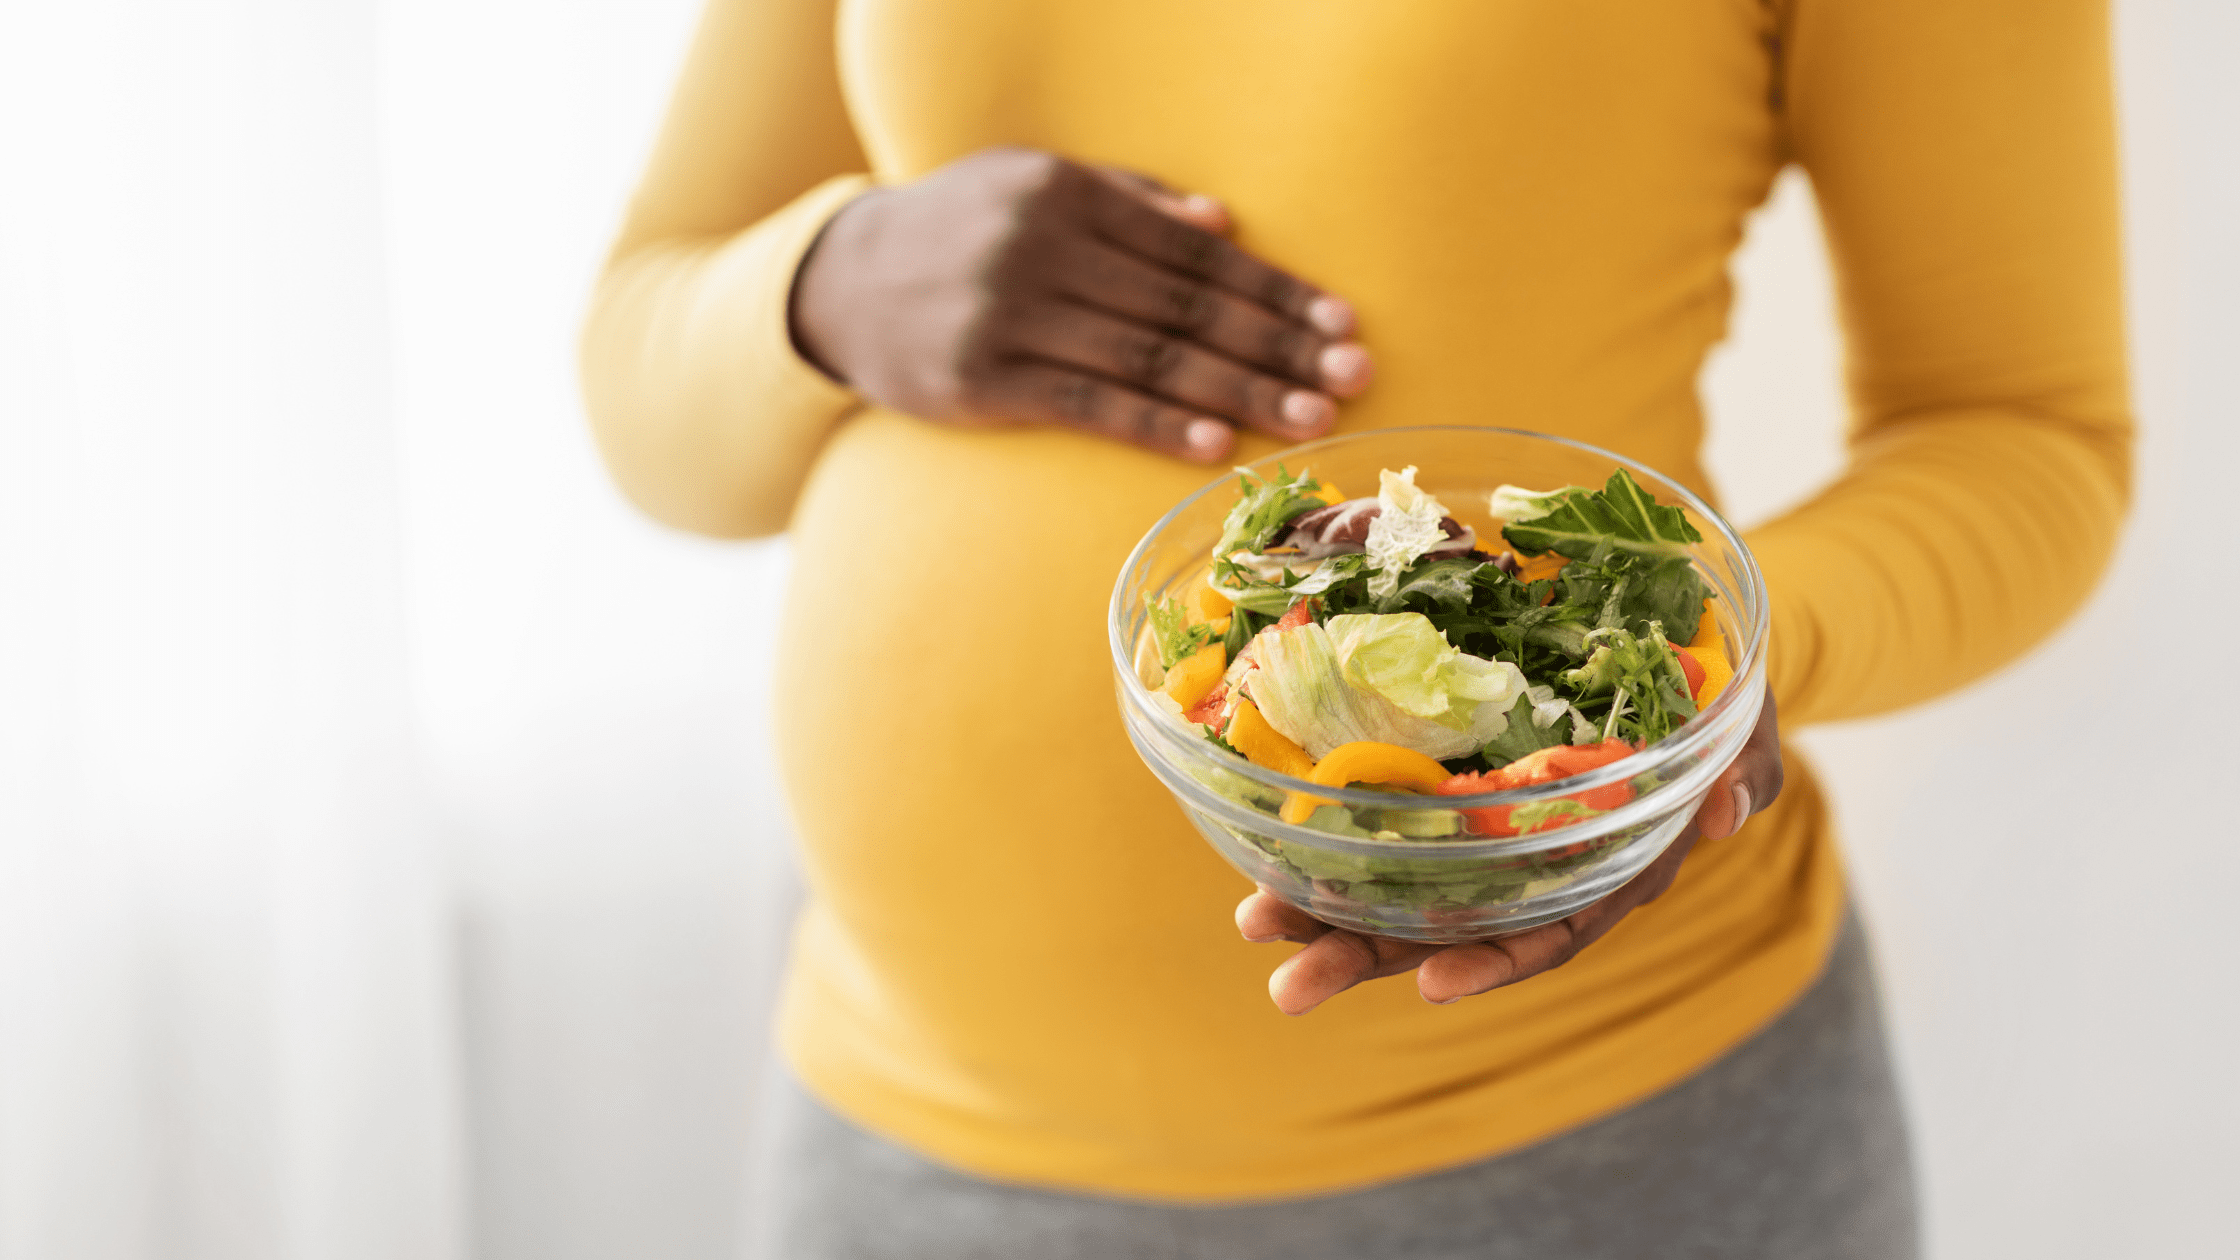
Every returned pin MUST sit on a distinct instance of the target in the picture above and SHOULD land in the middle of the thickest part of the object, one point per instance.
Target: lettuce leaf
(1404, 658)
(1264, 507)
(1171, 630)
(1574, 522)
(1407, 526)
(1515, 503)
(1391, 678)
(1273, 599)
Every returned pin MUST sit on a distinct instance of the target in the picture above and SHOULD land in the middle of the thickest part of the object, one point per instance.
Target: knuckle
(1075, 398)
(979, 382)
(1194, 249)
(1293, 349)
(1040, 185)
(1024, 168)
(1188, 306)
(1360, 962)
(1148, 357)
(1257, 395)
(1143, 421)
(1280, 291)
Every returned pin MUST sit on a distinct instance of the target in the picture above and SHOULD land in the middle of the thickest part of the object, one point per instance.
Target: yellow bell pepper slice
(1718, 671)
(1264, 745)
(1707, 629)
(1541, 567)
(1710, 651)
(1212, 604)
(1191, 679)
(1365, 761)
(1330, 494)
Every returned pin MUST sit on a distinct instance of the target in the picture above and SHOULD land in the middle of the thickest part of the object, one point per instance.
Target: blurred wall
(2041, 857)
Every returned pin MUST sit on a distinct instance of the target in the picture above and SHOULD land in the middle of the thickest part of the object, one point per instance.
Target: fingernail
(1206, 437)
(1344, 365)
(1332, 315)
(1741, 806)
(1265, 940)
(1302, 410)
(1444, 1001)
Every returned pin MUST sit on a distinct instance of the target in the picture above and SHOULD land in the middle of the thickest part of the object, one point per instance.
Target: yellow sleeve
(706, 415)
(1963, 154)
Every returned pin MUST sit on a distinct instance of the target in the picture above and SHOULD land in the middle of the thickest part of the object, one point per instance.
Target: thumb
(1748, 785)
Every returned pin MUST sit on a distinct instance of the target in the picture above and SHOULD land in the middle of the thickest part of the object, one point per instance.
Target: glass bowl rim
(1662, 753)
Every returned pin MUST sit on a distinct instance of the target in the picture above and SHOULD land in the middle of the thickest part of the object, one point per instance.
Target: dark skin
(1335, 960)
(1014, 286)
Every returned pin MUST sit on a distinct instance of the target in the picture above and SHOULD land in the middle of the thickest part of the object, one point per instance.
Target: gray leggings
(1793, 1146)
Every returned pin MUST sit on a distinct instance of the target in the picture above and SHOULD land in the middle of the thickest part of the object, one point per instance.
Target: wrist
(811, 302)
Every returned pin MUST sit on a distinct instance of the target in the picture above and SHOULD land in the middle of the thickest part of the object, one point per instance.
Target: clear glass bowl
(1423, 879)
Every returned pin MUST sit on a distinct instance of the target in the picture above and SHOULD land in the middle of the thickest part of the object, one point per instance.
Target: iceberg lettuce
(1388, 677)
(1407, 526)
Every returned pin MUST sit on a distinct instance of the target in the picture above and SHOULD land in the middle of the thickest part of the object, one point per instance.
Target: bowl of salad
(1440, 684)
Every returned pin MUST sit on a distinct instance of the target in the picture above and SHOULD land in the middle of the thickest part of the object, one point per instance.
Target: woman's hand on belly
(1334, 960)
(1012, 285)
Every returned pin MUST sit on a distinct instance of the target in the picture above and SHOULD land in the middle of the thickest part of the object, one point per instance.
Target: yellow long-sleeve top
(1017, 956)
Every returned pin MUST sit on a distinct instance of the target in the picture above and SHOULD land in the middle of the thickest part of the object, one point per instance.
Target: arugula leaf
(1524, 735)
(1559, 628)
(1243, 624)
(1265, 507)
(1621, 515)
(1630, 589)
(1273, 599)
(1633, 681)
(1441, 583)
(1171, 631)
(1667, 592)
(1510, 620)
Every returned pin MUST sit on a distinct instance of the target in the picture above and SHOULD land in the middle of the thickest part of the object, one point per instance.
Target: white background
(389, 865)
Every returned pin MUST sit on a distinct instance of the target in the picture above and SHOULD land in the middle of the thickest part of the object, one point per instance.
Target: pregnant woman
(966, 293)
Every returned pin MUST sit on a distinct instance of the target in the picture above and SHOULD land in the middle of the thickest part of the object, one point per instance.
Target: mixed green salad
(1383, 643)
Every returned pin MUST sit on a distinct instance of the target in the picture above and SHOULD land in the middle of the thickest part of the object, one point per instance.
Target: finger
(1048, 394)
(1747, 785)
(1194, 208)
(1127, 221)
(1171, 367)
(1103, 275)
(1264, 917)
(1459, 971)
(1337, 961)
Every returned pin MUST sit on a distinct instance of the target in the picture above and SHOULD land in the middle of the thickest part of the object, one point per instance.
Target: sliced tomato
(1295, 616)
(1545, 766)
(1691, 667)
(1209, 709)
